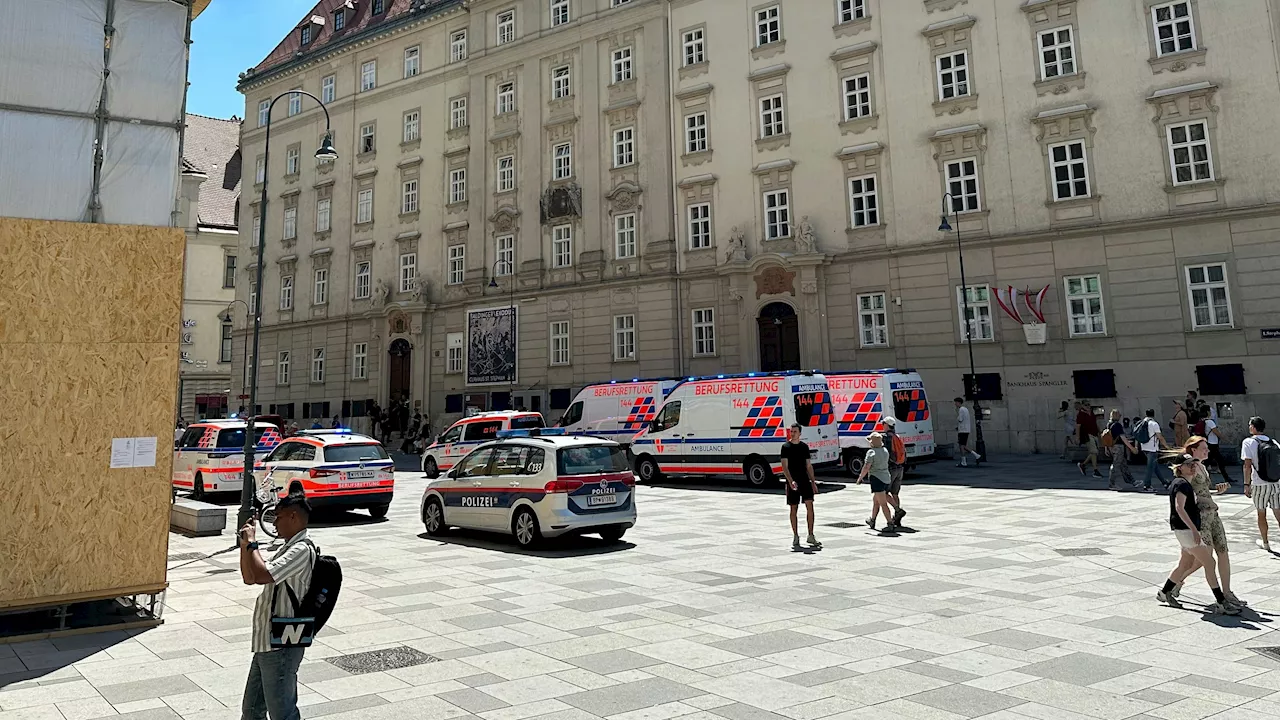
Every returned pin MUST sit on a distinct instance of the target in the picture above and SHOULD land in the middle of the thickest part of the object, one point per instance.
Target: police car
(463, 436)
(337, 468)
(209, 457)
(536, 484)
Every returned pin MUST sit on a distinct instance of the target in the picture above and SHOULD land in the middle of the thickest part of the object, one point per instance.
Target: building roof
(359, 17)
(212, 146)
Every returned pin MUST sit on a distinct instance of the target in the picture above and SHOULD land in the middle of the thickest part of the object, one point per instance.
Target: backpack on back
(322, 595)
(1269, 460)
(898, 450)
(1142, 433)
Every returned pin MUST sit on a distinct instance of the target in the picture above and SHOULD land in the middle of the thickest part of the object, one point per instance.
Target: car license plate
(359, 474)
(594, 500)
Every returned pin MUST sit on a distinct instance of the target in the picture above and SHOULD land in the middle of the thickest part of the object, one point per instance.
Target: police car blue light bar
(530, 432)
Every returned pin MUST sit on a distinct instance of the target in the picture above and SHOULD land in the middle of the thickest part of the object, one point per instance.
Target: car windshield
(355, 453)
(592, 460)
(526, 421)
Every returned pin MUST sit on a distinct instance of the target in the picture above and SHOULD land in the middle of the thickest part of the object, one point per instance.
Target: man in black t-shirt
(801, 484)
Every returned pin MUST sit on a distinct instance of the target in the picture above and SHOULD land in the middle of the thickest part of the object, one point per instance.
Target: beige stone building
(700, 186)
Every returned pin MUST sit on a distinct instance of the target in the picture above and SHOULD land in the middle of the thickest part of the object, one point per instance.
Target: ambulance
(731, 424)
(616, 410)
(209, 457)
(465, 435)
(336, 468)
(861, 398)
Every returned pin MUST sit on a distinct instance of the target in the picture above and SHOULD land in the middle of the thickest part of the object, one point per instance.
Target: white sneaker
(1263, 544)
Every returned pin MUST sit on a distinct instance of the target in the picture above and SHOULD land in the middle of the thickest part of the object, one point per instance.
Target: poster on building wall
(491, 346)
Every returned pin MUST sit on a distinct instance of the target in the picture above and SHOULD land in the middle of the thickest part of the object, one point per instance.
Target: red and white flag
(1036, 305)
(1008, 300)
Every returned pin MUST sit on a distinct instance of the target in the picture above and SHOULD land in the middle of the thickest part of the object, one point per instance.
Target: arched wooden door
(779, 337)
(400, 357)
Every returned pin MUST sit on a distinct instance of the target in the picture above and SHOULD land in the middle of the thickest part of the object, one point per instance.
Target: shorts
(1186, 539)
(803, 493)
(878, 485)
(1266, 495)
(895, 479)
(1091, 445)
(962, 439)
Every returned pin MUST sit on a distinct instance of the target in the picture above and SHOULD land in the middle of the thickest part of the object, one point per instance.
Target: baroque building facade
(663, 187)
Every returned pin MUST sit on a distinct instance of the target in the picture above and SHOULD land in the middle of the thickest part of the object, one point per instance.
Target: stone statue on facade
(381, 294)
(806, 243)
(420, 289)
(737, 250)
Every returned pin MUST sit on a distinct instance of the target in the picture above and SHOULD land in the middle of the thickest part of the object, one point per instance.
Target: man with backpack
(1147, 435)
(897, 467)
(1261, 457)
(1116, 439)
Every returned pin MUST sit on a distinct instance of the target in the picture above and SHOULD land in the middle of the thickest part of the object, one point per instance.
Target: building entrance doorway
(399, 362)
(779, 338)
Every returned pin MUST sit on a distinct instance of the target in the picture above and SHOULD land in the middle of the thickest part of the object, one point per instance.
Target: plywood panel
(89, 318)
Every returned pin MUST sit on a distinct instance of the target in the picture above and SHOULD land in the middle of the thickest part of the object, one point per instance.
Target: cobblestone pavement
(1026, 592)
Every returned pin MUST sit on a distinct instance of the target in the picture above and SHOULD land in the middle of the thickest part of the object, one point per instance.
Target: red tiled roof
(212, 146)
(359, 19)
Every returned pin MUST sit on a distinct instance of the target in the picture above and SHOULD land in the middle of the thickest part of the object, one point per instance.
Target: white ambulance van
(731, 424)
(616, 410)
(861, 398)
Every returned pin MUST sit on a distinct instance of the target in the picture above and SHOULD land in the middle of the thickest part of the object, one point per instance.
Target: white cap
(889, 420)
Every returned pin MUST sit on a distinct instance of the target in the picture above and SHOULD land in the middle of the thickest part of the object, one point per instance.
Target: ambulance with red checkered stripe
(209, 457)
(736, 424)
(863, 396)
(617, 409)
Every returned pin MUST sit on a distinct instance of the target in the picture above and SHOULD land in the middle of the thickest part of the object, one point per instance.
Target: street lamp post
(325, 152)
(971, 387)
(244, 376)
(511, 289)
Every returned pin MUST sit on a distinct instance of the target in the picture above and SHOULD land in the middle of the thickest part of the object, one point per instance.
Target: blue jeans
(272, 686)
(1155, 468)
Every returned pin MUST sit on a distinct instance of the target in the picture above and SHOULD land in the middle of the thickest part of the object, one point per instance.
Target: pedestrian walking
(1120, 446)
(272, 686)
(1185, 521)
(1088, 425)
(1179, 424)
(1261, 456)
(876, 465)
(1146, 434)
(1211, 528)
(897, 467)
(964, 426)
(802, 486)
(1068, 421)
(1212, 435)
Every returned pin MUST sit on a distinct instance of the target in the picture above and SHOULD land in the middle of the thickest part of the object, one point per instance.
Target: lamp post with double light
(324, 153)
(507, 265)
(226, 314)
(971, 386)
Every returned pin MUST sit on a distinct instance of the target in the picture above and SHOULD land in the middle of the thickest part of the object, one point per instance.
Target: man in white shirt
(964, 426)
(1265, 493)
(1151, 450)
(1213, 436)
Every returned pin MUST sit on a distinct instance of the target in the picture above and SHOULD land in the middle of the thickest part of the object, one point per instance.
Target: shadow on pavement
(735, 484)
(1023, 472)
(567, 546)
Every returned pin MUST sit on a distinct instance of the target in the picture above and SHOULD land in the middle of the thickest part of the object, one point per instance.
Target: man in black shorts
(801, 484)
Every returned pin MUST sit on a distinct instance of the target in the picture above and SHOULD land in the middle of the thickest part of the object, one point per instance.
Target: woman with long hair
(1189, 528)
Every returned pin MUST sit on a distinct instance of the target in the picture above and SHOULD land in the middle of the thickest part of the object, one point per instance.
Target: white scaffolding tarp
(74, 71)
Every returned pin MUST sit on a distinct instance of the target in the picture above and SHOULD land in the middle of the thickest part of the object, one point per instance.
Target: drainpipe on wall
(675, 195)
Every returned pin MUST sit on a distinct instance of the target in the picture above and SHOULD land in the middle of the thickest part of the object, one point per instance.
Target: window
(559, 332)
(1084, 305)
(229, 271)
(857, 97)
(282, 368)
(559, 12)
(668, 417)
(368, 138)
(562, 161)
(360, 361)
(379, 6)
(457, 264)
(850, 10)
(506, 98)
(306, 34)
(253, 296)
(1175, 29)
(320, 288)
(695, 47)
(864, 204)
(339, 20)
(1057, 53)
(695, 133)
(409, 197)
(408, 271)
(368, 76)
(771, 120)
(962, 183)
(768, 26)
(506, 173)
(412, 126)
(622, 69)
(291, 157)
(260, 171)
(562, 246)
(457, 185)
(364, 206)
(978, 318)
(364, 278)
(453, 353)
(317, 365)
(256, 232)
(506, 26)
(328, 89)
(224, 348)
(458, 46)
(458, 113)
(412, 61)
(624, 337)
(286, 292)
(290, 223)
(619, 3)
(264, 112)
(295, 103)
(1070, 170)
(1190, 159)
(561, 87)
(624, 236)
(323, 214)
(1210, 300)
(953, 75)
(704, 332)
(777, 214)
(506, 246)
(699, 226)
(624, 147)
(873, 320)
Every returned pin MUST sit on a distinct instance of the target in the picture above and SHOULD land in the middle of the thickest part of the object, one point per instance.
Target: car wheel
(757, 473)
(525, 528)
(377, 512)
(433, 518)
(647, 469)
(853, 463)
(197, 490)
(613, 533)
(430, 469)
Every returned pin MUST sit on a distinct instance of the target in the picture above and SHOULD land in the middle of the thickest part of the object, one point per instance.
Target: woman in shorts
(1211, 528)
(1186, 522)
(876, 465)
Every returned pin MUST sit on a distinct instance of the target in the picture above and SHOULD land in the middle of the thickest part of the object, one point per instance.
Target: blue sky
(228, 38)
